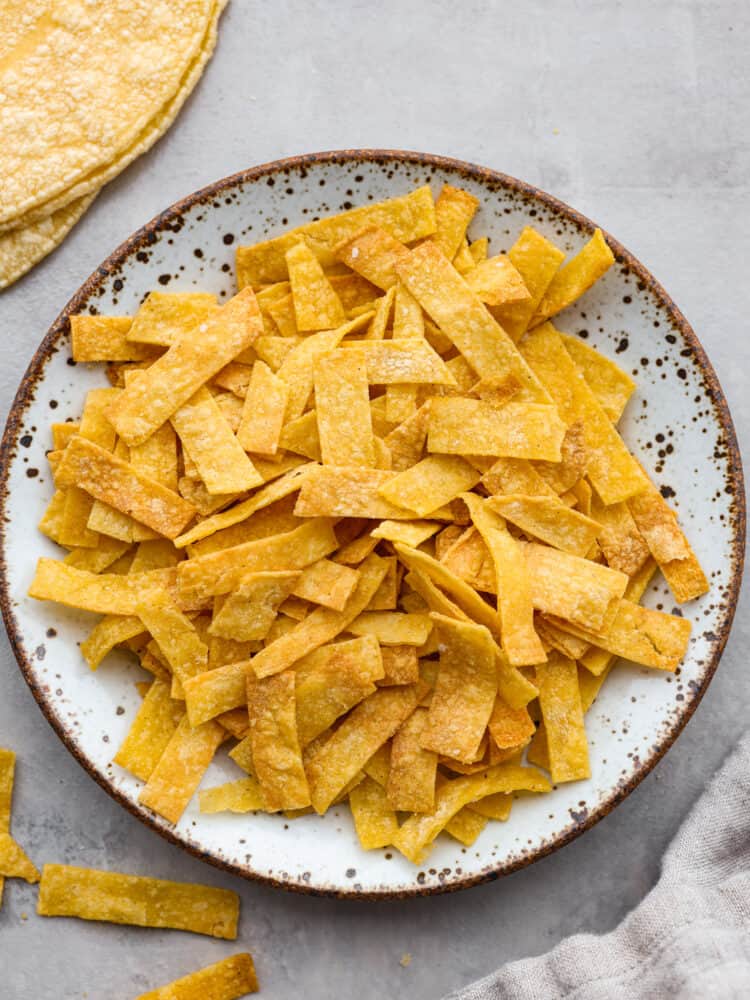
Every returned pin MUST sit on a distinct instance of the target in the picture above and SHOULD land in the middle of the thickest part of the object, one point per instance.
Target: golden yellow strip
(411, 533)
(349, 748)
(156, 458)
(334, 491)
(66, 891)
(177, 637)
(104, 338)
(241, 796)
(106, 593)
(497, 282)
(393, 628)
(248, 612)
(463, 317)
(150, 732)
(550, 520)
(14, 862)
(106, 634)
(413, 769)
(277, 757)
(327, 583)
(117, 483)
(166, 316)
(515, 475)
(560, 703)
(321, 625)
(7, 772)
(107, 552)
(454, 210)
(375, 821)
(623, 545)
(228, 979)
(537, 261)
(220, 572)
(408, 360)
(182, 765)
(461, 426)
(373, 253)
(215, 691)
(429, 484)
(407, 218)
(611, 385)
(316, 305)
(575, 277)
(208, 439)
(342, 407)
(192, 360)
(263, 411)
(466, 826)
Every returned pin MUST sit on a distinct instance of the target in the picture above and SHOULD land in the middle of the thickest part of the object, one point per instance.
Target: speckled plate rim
(483, 175)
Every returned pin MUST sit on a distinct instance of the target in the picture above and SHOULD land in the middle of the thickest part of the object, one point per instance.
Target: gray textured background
(638, 114)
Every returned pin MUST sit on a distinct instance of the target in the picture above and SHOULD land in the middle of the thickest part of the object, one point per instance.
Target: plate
(677, 422)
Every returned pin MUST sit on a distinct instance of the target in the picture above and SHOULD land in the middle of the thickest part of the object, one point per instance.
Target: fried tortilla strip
(567, 473)
(282, 487)
(406, 442)
(374, 819)
(327, 583)
(333, 679)
(342, 407)
(7, 772)
(465, 691)
(516, 475)
(66, 891)
(400, 665)
(220, 572)
(520, 642)
(651, 638)
(560, 702)
(106, 593)
(340, 491)
(417, 834)
(413, 769)
(108, 633)
(611, 385)
(298, 366)
(454, 210)
(150, 732)
(277, 757)
(215, 691)
(248, 612)
(156, 458)
(466, 826)
(429, 484)
(407, 218)
(461, 426)
(14, 862)
(316, 305)
(182, 765)
(104, 338)
(176, 635)
(537, 261)
(411, 533)
(669, 546)
(408, 360)
(117, 483)
(613, 471)
(510, 728)
(241, 796)
(575, 278)
(164, 317)
(393, 628)
(321, 626)
(209, 440)
(623, 545)
(228, 979)
(589, 592)
(550, 520)
(462, 316)
(349, 748)
(107, 552)
(192, 360)
(496, 282)
(379, 323)
(497, 807)
(373, 253)
(301, 436)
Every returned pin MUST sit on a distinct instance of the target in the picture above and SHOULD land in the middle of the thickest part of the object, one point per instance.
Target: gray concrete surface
(637, 113)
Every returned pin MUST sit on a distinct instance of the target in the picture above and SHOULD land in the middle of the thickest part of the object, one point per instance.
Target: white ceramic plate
(677, 422)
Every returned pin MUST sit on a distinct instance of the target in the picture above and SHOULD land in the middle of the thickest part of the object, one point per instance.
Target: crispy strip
(374, 819)
(536, 260)
(460, 426)
(342, 407)
(393, 628)
(166, 316)
(106, 593)
(413, 769)
(575, 277)
(623, 545)
(7, 772)
(108, 633)
(263, 411)
(66, 891)
(241, 796)
(411, 533)
(248, 612)
(14, 862)
(182, 765)
(191, 361)
(119, 484)
(177, 637)
(228, 979)
(611, 384)
(497, 282)
(550, 520)
(454, 210)
(104, 338)
(510, 728)
(373, 253)
(560, 702)
(408, 360)
(429, 484)
(316, 305)
(340, 491)
(277, 757)
(327, 583)
(150, 732)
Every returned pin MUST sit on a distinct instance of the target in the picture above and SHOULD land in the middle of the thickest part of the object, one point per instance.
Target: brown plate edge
(142, 237)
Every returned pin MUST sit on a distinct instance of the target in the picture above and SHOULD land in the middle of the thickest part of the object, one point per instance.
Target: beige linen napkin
(690, 937)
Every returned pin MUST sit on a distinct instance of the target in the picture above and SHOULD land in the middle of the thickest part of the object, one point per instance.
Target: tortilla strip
(209, 440)
(66, 891)
(516, 475)
(241, 796)
(277, 758)
(550, 520)
(248, 612)
(416, 835)
(316, 305)
(465, 691)
(623, 545)
(454, 210)
(462, 316)
(191, 361)
(228, 979)
(510, 728)
(106, 593)
(536, 260)
(117, 483)
(7, 773)
(575, 277)
(220, 572)
(349, 748)
(182, 765)
(429, 484)
(497, 282)
(407, 218)
(327, 583)
(413, 769)
(321, 625)
(342, 407)
(392, 628)
(411, 533)
(407, 360)
(560, 703)
(611, 384)
(150, 732)
(108, 633)
(104, 338)
(14, 862)
(177, 637)
(340, 491)
(461, 426)
(375, 821)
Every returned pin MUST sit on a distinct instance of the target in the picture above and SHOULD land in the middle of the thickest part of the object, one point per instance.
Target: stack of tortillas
(86, 86)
